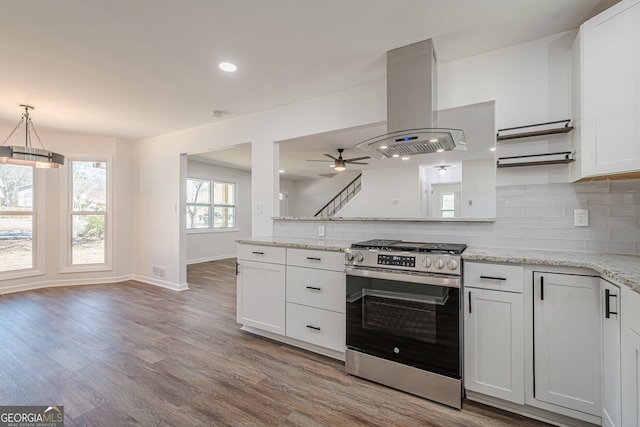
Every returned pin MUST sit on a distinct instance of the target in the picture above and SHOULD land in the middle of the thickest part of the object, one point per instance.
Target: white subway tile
(621, 247)
(544, 211)
(565, 245)
(626, 185)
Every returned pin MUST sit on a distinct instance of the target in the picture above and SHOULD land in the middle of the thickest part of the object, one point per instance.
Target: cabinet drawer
(499, 277)
(271, 254)
(317, 288)
(325, 260)
(316, 326)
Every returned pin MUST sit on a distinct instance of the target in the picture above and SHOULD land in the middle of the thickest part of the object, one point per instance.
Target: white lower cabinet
(566, 335)
(494, 344)
(611, 379)
(630, 357)
(316, 326)
(261, 296)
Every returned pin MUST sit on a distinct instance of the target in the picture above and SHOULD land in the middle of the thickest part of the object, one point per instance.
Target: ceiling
(135, 69)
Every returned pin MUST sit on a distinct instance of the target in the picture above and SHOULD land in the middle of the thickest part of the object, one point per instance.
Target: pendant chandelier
(28, 155)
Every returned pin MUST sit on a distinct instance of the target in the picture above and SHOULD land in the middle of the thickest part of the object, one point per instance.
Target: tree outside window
(16, 217)
(198, 203)
(224, 204)
(88, 211)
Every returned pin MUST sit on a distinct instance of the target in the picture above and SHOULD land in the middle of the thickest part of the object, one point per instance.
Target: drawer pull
(314, 288)
(311, 258)
(257, 253)
(607, 303)
(493, 278)
(315, 328)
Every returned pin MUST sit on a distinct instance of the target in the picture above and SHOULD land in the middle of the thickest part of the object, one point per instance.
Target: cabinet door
(611, 95)
(611, 387)
(567, 341)
(630, 348)
(494, 344)
(261, 296)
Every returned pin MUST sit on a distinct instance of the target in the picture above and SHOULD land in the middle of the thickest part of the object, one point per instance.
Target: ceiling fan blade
(331, 157)
(324, 161)
(357, 163)
(355, 159)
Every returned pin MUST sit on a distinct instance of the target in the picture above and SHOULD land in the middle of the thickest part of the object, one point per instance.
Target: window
(198, 203)
(206, 201)
(448, 204)
(88, 212)
(16, 217)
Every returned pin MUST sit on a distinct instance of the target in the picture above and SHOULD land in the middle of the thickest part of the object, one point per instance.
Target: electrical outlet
(581, 217)
(321, 231)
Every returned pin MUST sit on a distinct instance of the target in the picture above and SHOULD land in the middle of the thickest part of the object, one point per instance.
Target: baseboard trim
(161, 283)
(67, 282)
(208, 259)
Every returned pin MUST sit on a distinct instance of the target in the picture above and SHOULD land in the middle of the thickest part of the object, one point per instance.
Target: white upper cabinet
(606, 93)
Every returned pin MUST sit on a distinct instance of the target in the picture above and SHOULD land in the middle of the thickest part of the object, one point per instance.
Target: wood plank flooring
(131, 354)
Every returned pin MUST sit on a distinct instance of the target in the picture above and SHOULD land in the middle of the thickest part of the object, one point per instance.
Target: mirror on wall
(452, 184)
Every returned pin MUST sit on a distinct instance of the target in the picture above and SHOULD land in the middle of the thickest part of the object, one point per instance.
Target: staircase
(341, 199)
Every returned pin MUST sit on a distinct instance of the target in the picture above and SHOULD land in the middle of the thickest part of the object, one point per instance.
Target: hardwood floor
(132, 354)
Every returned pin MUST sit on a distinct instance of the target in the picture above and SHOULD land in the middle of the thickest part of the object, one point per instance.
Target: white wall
(477, 199)
(529, 82)
(387, 192)
(51, 262)
(208, 245)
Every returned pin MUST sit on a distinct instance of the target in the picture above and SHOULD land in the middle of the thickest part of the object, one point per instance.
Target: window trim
(67, 213)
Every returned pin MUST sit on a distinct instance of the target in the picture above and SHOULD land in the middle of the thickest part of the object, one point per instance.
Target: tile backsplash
(527, 216)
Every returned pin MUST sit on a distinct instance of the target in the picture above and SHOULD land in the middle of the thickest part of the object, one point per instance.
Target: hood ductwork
(412, 107)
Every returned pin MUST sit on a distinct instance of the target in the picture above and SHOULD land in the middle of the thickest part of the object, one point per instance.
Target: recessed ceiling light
(227, 66)
(396, 155)
(281, 171)
(440, 150)
(383, 147)
(405, 158)
(492, 149)
(433, 140)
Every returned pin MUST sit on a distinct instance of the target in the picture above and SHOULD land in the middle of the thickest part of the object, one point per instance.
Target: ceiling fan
(340, 164)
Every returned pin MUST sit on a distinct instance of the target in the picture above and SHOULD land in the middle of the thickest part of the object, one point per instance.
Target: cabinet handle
(607, 304)
(314, 288)
(541, 288)
(237, 268)
(315, 328)
(314, 258)
(469, 302)
(493, 278)
(257, 253)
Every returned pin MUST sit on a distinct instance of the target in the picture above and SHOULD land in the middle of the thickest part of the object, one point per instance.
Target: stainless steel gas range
(404, 316)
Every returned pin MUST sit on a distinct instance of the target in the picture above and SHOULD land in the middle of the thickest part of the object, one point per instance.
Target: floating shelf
(535, 159)
(535, 132)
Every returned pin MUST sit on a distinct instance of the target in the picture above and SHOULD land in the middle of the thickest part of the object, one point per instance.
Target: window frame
(38, 222)
(66, 258)
(213, 205)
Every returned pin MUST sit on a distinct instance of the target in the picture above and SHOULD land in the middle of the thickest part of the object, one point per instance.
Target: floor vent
(159, 272)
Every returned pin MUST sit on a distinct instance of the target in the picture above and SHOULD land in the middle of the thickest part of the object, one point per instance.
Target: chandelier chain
(30, 122)
(13, 131)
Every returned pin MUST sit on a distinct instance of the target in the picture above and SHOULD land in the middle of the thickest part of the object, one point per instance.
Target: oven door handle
(423, 279)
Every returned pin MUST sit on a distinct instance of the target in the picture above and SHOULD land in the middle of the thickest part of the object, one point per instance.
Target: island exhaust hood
(412, 107)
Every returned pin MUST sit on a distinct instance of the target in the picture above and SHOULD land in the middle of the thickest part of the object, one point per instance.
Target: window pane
(448, 214)
(16, 242)
(448, 202)
(87, 239)
(224, 217)
(198, 191)
(89, 186)
(198, 216)
(16, 188)
(224, 193)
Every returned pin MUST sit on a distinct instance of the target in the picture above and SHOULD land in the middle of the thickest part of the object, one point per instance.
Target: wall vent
(159, 272)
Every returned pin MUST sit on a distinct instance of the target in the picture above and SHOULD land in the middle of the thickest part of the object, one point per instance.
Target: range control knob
(348, 256)
(439, 263)
(426, 262)
(452, 264)
(359, 257)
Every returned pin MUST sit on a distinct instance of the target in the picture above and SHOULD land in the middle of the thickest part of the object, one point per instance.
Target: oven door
(406, 318)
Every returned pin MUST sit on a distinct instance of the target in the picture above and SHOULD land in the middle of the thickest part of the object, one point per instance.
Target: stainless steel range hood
(412, 107)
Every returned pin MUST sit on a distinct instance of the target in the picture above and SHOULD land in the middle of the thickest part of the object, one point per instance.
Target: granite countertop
(622, 268)
(384, 219)
(299, 243)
